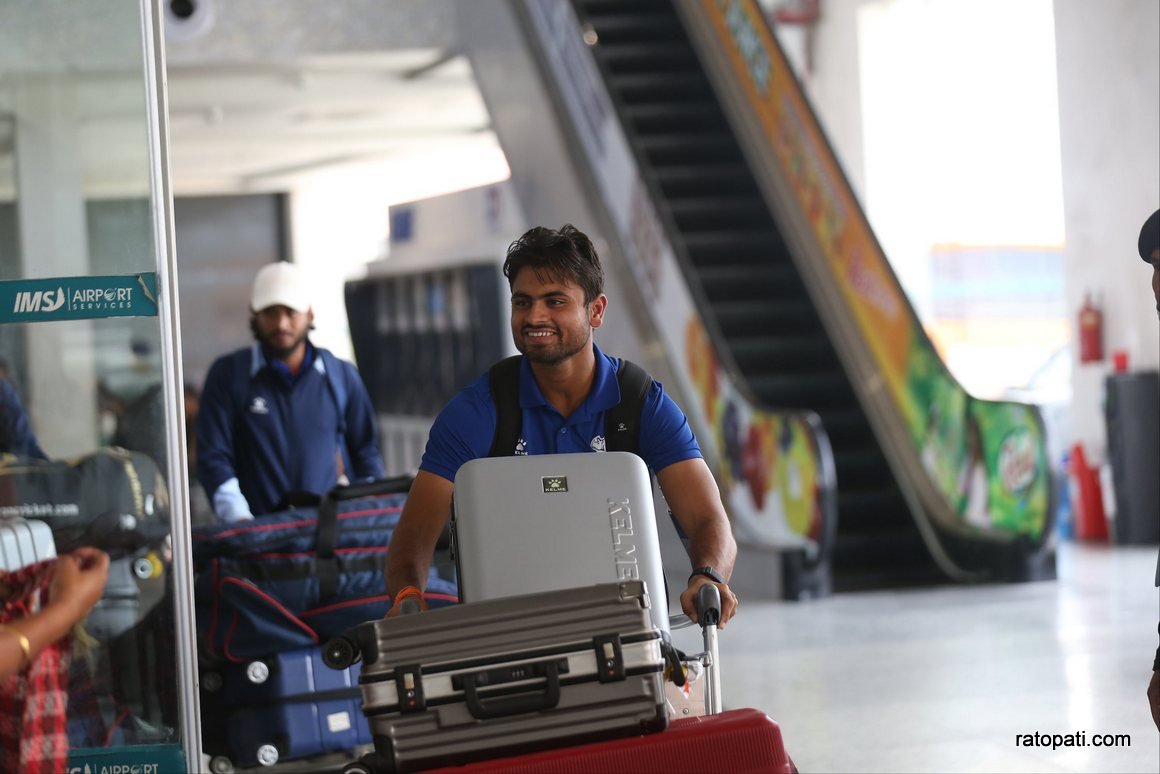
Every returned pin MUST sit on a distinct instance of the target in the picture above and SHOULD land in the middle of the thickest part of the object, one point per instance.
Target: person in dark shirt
(16, 436)
(282, 417)
(1149, 246)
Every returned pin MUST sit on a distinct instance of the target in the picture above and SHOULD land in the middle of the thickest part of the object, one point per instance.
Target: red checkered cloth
(34, 702)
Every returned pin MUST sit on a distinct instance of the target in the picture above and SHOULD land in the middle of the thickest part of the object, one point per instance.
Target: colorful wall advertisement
(988, 459)
(770, 464)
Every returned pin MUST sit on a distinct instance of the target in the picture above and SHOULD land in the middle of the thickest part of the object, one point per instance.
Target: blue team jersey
(465, 428)
(285, 434)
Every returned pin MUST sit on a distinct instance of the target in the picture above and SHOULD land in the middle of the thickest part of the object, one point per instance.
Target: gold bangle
(25, 645)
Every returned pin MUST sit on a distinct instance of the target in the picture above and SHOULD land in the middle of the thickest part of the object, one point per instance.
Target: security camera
(182, 9)
(187, 19)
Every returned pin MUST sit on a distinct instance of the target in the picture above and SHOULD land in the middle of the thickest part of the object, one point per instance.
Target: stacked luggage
(268, 593)
(116, 500)
(575, 679)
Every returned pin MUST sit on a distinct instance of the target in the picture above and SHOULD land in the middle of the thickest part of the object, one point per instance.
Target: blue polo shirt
(465, 428)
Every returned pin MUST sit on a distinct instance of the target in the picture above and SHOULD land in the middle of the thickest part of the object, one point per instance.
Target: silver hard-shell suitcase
(506, 676)
(556, 521)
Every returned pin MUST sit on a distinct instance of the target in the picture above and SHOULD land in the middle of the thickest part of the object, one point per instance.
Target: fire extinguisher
(1091, 332)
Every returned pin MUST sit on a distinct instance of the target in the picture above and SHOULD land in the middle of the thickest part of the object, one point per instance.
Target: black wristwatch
(708, 572)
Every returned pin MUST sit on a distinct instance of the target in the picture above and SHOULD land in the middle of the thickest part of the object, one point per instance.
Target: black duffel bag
(113, 499)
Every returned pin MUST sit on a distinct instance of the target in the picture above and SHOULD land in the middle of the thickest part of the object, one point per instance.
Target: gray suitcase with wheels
(507, 676)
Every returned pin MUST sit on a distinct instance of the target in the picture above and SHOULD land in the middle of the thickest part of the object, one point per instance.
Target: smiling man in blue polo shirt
(566, 384)
(280, 417)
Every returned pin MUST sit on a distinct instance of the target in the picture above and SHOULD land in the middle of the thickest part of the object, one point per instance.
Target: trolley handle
(709, 605)
(709, 613)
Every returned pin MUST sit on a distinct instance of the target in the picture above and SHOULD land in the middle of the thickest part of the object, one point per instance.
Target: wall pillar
(61, 378)
(1108, 67)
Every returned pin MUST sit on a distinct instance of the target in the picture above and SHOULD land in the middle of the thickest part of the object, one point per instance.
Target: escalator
(794, 303)
(698, 174)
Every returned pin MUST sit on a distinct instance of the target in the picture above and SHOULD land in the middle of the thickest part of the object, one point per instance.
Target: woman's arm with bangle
(23, 639)
(78, 583)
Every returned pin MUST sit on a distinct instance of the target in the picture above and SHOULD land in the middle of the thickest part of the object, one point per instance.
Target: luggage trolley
(510, 673)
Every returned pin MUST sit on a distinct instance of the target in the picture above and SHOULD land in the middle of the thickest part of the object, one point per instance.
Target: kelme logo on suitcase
(553, 484)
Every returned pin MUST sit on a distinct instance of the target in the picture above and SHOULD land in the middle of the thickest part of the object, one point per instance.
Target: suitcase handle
(487, 709)
(382, 486)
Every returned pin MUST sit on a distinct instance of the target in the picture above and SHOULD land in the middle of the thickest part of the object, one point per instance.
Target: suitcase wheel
(339, 653)
(148, 566)
(257, 672)
(267, 755)
(371, 763)
(220, 764)
(212, 683)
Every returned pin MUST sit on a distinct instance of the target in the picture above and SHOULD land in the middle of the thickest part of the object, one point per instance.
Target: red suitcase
(744, 741)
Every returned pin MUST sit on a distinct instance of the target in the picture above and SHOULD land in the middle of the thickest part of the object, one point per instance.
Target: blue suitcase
(283, 707)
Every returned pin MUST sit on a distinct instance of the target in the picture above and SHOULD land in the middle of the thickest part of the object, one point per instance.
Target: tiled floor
(946, 679)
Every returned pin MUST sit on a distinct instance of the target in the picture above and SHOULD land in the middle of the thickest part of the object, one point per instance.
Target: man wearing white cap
(282, 417)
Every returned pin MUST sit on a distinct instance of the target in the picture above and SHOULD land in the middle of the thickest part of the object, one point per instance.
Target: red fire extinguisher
(1091, 523)
(1091, 332)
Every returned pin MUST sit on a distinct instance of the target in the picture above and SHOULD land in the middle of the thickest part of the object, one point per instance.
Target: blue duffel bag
(296, 578)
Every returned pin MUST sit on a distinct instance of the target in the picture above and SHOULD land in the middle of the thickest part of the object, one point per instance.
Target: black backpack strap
(326, 564)
(505, 393)
(336, 383)
(243, 367)
(326, 559)
(622, 421)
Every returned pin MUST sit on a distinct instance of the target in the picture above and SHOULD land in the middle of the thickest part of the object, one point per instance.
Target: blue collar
(604, 395)
(260, 360)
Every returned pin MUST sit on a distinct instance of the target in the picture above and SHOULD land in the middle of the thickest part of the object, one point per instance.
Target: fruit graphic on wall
(731, 438)
(757, 460)
(702, 366)
(797, 480)
(752, 468)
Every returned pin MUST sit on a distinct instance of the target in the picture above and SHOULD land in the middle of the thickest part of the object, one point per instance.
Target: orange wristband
(408, 591)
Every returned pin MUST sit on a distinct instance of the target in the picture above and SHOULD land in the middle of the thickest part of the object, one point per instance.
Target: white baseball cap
(281, 284)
